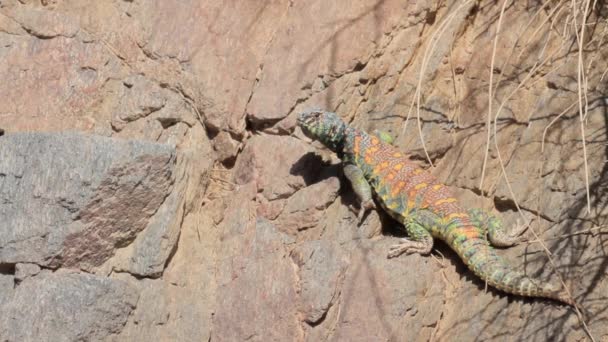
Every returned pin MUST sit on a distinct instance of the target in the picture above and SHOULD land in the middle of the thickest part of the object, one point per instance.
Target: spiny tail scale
(482, 259)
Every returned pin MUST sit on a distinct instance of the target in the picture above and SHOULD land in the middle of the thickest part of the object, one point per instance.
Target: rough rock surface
(23, 271)
(258, 289)
(7, 284)
(61, 194)
(321, 266)
(273, 180)
(66, 307)
(204, 215)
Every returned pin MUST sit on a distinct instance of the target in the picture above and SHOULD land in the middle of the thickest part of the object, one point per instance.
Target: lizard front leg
(420, 241)
(492, 226)
(361, 188)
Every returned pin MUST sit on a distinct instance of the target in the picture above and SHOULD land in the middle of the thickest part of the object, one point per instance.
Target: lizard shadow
(313, 169)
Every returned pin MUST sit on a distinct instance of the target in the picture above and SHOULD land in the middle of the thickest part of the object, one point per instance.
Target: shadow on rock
(314, 169)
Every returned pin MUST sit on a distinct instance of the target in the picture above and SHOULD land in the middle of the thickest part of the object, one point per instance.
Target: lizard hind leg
(492, 226)
(420, 241)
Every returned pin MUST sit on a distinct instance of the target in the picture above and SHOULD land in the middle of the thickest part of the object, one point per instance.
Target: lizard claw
(365, 206)
(408, 246)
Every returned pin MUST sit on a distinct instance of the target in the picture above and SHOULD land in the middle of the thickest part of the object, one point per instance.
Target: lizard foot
(409, 247)
(502, 239)
(364, 207)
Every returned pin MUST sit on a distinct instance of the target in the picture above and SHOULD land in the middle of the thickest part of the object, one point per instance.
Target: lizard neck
(349, 152)
(335, 139)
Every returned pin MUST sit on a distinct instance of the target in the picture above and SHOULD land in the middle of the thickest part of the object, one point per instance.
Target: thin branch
(542, 143)
(549, 16)
(490, 97)
(434, 40)
(591, 231)
(580, 38)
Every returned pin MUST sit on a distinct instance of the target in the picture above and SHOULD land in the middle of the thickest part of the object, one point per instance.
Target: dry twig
(427, 54)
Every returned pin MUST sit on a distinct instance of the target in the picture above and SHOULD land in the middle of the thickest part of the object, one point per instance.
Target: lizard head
(326, 127)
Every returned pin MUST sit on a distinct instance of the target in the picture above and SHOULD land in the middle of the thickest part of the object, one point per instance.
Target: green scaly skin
(425, 207)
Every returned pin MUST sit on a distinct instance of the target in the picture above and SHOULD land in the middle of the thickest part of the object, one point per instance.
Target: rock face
(70, 200)
(66, 307)
(260, 291)
(188, 207)
(321, 266)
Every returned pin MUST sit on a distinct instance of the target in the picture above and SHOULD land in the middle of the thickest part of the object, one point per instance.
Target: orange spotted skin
(424, 206)
(405, 190)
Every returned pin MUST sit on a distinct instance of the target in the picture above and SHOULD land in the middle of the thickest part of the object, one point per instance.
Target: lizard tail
(487, 265)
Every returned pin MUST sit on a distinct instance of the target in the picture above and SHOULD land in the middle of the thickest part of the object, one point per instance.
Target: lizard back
(405, 188)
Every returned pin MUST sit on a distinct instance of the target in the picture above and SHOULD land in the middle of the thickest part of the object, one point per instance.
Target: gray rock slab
(305, 208)
(385, 299)
(7, 283)
(66, 307)
(321, 264)
(68, 199)
(154, 246)
(257, 301)
(23, 271)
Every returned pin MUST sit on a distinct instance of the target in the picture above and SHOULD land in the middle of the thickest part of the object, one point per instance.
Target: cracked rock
(23, 271)
(46, 24)
(70, 199)
(66, 307)
(321, 265)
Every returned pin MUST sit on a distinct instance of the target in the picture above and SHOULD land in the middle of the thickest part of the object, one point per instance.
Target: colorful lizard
(425, 207)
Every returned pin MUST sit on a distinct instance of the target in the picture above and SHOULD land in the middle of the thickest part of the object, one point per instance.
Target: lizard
(425, 207)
